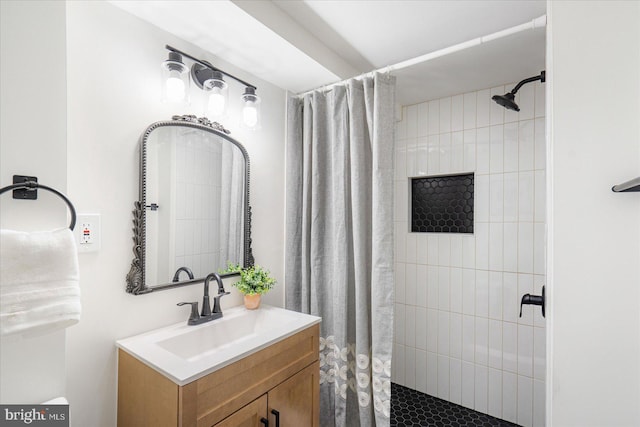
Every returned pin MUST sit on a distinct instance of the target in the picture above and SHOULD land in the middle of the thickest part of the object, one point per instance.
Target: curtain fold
(339, 248)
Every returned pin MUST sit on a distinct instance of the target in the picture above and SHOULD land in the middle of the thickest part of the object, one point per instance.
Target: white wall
(113, 64)
(594, 247)
(33, 142)
(457, 331)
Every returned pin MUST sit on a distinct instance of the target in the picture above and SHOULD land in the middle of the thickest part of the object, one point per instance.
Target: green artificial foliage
(231, 268)
(253, 280)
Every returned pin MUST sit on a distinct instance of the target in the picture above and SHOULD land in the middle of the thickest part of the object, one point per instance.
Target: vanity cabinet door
(295, 402)
(248, 416)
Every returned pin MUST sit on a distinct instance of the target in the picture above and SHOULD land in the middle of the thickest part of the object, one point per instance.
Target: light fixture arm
(208, 65)
(541, 77)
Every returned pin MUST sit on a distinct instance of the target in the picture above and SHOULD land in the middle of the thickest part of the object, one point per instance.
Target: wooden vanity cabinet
(251, 415)
(283, 377)
(293, 403)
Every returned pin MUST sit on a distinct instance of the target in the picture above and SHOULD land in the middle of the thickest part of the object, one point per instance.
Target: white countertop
(186, 353)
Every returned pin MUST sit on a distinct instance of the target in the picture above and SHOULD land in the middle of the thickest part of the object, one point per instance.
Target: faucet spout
(206, 304)
(221, 292)
(220, 284)
(176, 276)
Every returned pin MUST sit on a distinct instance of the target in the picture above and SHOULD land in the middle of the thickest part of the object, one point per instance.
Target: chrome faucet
(207, 315)
(176, 276)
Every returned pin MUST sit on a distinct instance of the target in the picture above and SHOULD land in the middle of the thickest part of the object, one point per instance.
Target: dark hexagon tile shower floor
(413, 408)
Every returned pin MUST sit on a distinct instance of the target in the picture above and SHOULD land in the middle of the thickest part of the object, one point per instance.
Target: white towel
(39, 282)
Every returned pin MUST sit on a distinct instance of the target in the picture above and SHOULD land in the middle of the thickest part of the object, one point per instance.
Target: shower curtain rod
(539, 22)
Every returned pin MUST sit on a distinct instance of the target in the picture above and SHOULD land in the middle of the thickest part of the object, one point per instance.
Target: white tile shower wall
(458, 334)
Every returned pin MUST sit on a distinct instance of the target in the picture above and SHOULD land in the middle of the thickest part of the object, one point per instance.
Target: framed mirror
(193, 215)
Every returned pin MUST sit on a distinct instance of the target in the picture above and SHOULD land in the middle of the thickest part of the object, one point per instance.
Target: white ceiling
(305, 44)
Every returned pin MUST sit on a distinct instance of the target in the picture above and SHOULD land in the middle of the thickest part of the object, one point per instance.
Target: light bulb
(250, 109)
(215, 91)
(217, 102)
(175, 80)
(175, 89)
(250, 114)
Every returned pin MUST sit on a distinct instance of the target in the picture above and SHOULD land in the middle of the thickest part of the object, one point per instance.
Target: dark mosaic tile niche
(442, 204)
(413, 408)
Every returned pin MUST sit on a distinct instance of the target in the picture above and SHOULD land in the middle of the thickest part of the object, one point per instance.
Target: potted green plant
(254, 281)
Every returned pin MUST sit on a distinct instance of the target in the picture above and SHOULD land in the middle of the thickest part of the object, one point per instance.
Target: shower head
(507, 100)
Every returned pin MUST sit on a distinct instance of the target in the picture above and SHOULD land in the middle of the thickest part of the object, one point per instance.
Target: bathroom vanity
(250, 368)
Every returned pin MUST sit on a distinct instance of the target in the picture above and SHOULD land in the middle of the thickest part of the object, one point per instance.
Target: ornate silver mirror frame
(136, 283)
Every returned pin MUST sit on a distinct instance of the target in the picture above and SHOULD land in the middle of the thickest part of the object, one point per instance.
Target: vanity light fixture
(251, 108)
(175, 79)
(215, 90)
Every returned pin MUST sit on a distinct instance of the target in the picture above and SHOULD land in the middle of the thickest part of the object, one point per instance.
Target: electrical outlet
(86, 236)
(88, 232)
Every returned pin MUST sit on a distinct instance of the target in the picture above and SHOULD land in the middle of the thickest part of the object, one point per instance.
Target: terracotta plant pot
(251, 302)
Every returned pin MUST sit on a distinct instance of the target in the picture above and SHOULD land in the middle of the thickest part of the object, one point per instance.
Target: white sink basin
(238, 326)
(185, 353)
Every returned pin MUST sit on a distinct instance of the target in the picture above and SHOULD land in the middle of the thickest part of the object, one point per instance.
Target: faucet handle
(194, 316)
(534, 300)
(216, 302)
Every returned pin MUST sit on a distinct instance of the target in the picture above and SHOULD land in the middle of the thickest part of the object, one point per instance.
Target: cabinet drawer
(210, 399)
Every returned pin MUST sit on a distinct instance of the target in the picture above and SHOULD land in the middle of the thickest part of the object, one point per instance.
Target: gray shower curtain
(339, 249)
